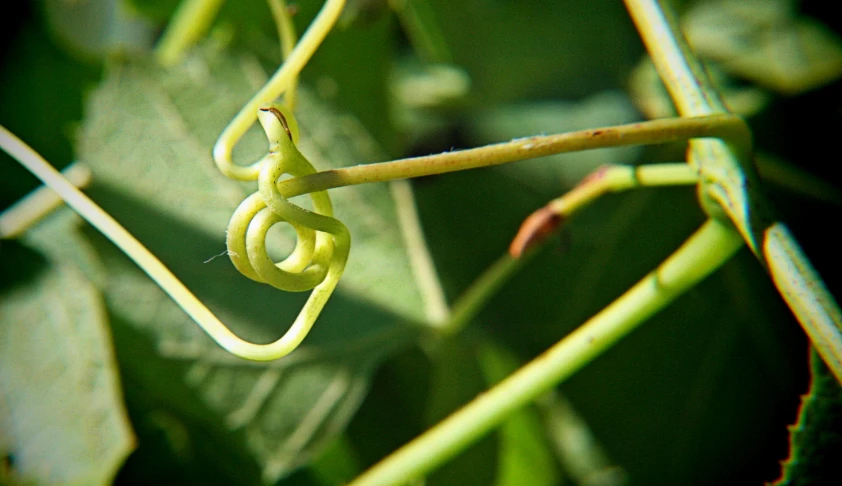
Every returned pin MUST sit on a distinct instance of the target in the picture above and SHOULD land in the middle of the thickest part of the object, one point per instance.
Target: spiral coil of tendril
(323, 242)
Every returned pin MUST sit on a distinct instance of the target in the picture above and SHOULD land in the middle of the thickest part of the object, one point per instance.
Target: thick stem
(711, 246)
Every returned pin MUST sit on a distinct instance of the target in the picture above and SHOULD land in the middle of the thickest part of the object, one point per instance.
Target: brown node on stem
(534, 230)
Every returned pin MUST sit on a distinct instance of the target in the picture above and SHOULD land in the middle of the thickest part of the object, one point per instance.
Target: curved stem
(280, 81)
(711, 246)
(160, 274)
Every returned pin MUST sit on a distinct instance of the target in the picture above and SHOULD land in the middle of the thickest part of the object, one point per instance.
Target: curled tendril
(323, 244)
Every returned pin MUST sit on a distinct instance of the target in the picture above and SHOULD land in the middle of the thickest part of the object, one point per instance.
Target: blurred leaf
(522, 49)
(147, 138)
(61, 414)
(95, 28)
(765, 41)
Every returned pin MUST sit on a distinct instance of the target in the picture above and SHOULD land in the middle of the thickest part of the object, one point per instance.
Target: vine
(718, 161)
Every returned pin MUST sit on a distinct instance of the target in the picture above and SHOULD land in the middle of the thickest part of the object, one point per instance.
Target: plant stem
(724, 126)
(25, 213)
(190, 22)
(276, 85)
(153, 267)
(711, 246)
(804, 291)
(288, 37)
(468, 305)
(732, 184)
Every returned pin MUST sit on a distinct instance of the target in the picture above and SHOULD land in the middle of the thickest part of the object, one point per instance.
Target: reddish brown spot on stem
(597, 133)
(534, 230)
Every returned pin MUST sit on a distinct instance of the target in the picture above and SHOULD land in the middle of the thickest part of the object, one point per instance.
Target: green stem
(723, 126)
(288, 37)
(804, 291)
(190, 22)
(471, 302)
(280, 81)
(711, 246)
(25, 213)
(683, 75)
(731, 183)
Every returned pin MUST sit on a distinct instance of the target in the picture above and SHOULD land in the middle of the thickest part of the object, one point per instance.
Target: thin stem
(25, 213)
(711, 246)
(288, 37)
(616, 178)
(683, 75)
(420, 260)
(189, 23)
(280, 81)
(153, 267)
(542, 224)
(606, 179)
(725, 126)
(471, 302)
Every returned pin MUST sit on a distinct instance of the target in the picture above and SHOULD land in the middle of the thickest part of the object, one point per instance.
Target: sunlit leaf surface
(62, 419)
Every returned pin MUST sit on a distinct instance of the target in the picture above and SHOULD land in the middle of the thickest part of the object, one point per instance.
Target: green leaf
(816, 439)
(147, 136)
(765, 42)
(62, 419)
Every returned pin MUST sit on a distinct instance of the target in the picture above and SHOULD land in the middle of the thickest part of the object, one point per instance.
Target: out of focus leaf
(62, 419)
(766, 42)
(99, 27)
(147, 138)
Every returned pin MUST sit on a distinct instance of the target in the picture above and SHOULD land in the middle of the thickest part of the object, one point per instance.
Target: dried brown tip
(534, 230)
(281, 118)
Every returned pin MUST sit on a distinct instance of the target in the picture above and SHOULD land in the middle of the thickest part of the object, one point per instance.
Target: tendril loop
(323, 242)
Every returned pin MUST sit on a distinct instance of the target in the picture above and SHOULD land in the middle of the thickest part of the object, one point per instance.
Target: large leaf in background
(147, 137)
(62, 419)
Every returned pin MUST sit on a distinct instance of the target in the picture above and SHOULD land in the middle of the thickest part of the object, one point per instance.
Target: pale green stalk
(730, 182)
(153, 267)
(480, 292)
(190, 22)
(280, 81)
(288, 37)
(25, 213)
(613, 178)
(711, 246)
(649, 132)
